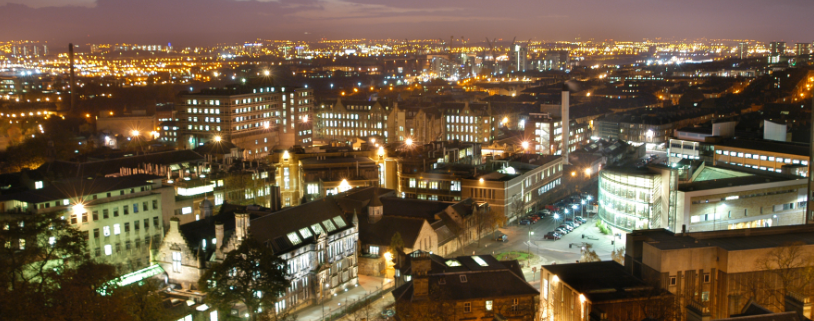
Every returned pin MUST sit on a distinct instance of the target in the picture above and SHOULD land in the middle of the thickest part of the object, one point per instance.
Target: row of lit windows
(203, 110)
(761, 157)
(203, 127)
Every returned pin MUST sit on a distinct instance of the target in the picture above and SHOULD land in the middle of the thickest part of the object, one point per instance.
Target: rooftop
(730, 240)
(601, 281)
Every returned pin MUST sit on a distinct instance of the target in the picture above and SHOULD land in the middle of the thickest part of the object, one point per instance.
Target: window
(412, 183)
(488, 305)
(706, 278)
(467, 307)
(126, 227)
(462, 278)
(106, 230)
(673, 280)
(96, 233)
(117, 229)
(294, 238)
(176, 262)
(126, 210)
(155, 221)
(455, 186)
(705, 296)
(374, 250)
(516, 304)
(105, 214)
(155, 204)
(38, 185)
(108, 249)
(136, 225)
(146, 224)
(313, 188)
(135, 208)
(95, 215)
(144, 206)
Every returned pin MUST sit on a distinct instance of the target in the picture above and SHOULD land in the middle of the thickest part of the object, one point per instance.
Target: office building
(743, 50)
(516, 186)
(120, 217)
(343, 121)
(650, 127)
(252, 116)
(772, 156)
(777, 48)
(693, 197)
(722, 271)
(546, 134)
(801, 49)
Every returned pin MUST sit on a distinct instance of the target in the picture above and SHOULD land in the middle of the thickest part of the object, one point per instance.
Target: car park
(552, 236)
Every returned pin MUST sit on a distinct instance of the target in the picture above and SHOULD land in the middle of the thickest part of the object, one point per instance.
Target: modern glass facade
(630, 201)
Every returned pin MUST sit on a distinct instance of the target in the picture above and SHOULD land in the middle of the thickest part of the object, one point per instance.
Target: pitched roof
(112, 166)
(272, 229)
(382, 231)
(465, 278)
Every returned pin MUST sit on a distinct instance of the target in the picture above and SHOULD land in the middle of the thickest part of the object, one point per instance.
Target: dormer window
(463, 278)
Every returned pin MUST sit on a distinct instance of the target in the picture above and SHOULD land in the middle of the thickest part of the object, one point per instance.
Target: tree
(786, 268)
(251, 275)
(45, 274)
(588, 253)
(493, 220)
(618, 255)
(517, 207)
(397, 247)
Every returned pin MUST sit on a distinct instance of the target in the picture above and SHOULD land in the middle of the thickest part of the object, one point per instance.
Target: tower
(375, 208)
(566, 121)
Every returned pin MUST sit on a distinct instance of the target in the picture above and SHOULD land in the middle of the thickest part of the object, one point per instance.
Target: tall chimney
(566, 122)
(73, 79)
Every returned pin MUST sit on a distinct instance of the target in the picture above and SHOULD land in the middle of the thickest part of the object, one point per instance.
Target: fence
(358, 303)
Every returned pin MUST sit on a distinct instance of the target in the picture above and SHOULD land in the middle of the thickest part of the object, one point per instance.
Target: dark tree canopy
(251, 274)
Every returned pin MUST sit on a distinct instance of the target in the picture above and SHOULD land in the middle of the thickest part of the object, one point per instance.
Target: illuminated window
(374, 250)
(106, 230)
(38, 185)
(176, 262)
(480, 261)
(294, 238)
(329, 225)
(108, 249)
(339, 222)
(117, 229)
(317, 229)
(488, 305)
(453, 263)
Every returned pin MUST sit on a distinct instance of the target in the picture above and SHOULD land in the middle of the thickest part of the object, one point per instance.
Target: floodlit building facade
(254, 117)
(121, 217)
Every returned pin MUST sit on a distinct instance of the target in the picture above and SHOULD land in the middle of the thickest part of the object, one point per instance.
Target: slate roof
(273, 228)
(71, 189)
(112, 166)
(496, 279)
(382, 231)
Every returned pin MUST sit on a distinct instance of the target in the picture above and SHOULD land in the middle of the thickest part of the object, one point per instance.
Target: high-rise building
(801, 49)
(743, 50)
(777, 48)
(253, 117)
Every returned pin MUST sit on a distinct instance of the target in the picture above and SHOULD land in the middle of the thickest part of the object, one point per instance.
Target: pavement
(367, 286)
(565, 250)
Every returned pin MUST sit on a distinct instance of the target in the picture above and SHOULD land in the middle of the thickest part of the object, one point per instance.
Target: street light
(409, 142)
(525, 145)
(583, 208)
(528, 250)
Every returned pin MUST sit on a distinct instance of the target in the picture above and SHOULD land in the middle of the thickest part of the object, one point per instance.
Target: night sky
(205, 22)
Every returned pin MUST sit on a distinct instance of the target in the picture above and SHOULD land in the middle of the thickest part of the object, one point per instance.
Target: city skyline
(187, 22)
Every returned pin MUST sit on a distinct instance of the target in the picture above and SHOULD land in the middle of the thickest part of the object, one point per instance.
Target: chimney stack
(566, 122)
(798, 303)
(72, 78)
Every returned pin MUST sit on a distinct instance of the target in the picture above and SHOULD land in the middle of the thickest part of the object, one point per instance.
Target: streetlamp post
(583, 208)
(528, 248)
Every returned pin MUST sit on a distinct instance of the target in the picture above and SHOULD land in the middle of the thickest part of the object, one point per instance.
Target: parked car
(567, 227)
(525, 222)
(561, 230)
(571, 225)
(546, 211)
(534, 219)
(501, 238)
(552, 236)
(582, 219)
